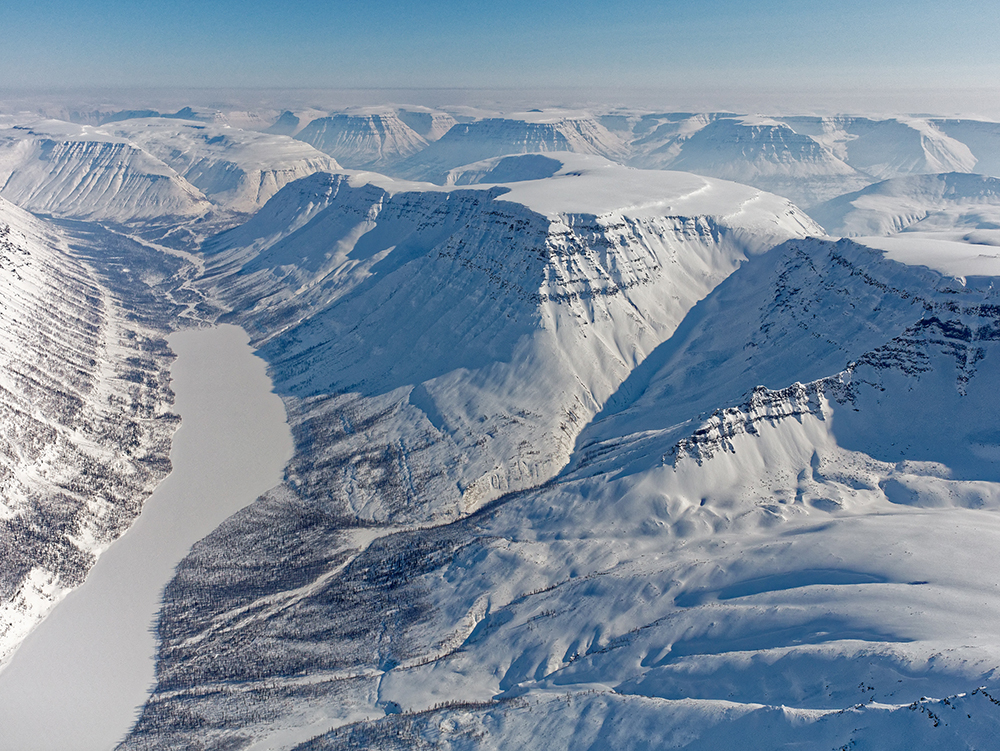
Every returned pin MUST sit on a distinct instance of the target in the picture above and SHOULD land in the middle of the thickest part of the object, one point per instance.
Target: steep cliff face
(84, 401)
(81, 172)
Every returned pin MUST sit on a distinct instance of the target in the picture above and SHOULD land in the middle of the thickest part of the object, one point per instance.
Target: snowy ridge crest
(763, 406)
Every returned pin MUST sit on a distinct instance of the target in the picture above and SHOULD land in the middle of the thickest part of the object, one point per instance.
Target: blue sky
(512, 43)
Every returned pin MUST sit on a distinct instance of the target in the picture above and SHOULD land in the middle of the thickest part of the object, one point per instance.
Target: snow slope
(950, 201)
(890, 148)
(754, 150)
(613, 242)
(428, 123)
(808, 159)
(981, 138)
(363, 140)
(288, 123)
(505, 169)
(527, 133)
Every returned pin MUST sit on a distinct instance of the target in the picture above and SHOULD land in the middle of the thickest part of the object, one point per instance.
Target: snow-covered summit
(365, 140)
(466, 143)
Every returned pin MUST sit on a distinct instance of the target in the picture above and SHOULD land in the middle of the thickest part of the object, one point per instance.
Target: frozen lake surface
(78, 681)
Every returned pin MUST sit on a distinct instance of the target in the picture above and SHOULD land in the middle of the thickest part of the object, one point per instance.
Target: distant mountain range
(612, 429)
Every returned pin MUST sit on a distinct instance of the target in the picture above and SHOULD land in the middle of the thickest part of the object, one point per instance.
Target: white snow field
(586, 454)
(77, 682)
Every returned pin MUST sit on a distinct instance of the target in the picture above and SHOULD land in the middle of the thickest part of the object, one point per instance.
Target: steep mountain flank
(84, 399)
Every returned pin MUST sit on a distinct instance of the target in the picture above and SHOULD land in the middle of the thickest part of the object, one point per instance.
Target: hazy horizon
(972, 102)
(897, 58)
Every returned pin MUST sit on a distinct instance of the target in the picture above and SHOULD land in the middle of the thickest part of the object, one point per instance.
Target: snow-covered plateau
(624, 430)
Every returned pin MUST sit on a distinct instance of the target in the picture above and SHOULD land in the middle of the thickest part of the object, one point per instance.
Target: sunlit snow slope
(949, 201)
(235, 169)
(527, 133)
(363, 140)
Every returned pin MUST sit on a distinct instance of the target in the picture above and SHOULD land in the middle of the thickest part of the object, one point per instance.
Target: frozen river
(79, 679)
